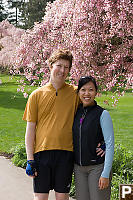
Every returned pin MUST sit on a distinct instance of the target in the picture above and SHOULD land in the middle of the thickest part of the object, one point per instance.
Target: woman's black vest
(87, 133)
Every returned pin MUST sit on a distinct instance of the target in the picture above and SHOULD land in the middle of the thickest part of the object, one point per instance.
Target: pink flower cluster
(99, 34)
(10, 38)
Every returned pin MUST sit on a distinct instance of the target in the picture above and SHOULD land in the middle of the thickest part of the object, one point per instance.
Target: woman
(92, 125)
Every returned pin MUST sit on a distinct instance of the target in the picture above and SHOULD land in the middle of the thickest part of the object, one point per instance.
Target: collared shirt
(53, 111)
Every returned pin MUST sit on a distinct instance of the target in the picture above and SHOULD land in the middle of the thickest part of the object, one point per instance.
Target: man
(49, 114)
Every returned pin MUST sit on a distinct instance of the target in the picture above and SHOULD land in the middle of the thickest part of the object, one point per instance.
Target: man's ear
(50, 67)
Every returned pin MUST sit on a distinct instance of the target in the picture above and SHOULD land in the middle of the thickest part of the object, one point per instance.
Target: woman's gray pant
(86, 183)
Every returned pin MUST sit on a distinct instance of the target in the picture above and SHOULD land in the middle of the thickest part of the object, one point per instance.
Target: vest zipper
(80, 137)
(80, 162)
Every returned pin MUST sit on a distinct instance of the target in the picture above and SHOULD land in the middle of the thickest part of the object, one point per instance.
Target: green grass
(122, 117)
(12, 127)
(12, 104)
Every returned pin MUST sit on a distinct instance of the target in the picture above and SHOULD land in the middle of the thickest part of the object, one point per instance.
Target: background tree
(14, 12)
(23, 13)
(3, 12)
(99, 34)
(33, 11)
(10, 38)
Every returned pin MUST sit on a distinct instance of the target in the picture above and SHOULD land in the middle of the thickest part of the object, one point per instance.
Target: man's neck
(57, 85)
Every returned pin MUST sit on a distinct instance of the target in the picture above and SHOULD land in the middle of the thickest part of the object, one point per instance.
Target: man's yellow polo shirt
(53, 113)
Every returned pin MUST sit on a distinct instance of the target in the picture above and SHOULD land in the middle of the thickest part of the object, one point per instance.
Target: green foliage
(116, 181)
(24, 13)
(72, 190)
(123, 162)
(3, 11)
(122, 169)
(19, 158)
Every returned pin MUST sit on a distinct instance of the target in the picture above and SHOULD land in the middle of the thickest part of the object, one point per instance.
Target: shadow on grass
(12, 100)
(9, 84)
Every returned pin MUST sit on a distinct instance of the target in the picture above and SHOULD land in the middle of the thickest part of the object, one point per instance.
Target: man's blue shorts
(54, 169)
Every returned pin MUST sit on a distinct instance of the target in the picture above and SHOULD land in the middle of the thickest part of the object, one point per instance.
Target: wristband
(31, 168)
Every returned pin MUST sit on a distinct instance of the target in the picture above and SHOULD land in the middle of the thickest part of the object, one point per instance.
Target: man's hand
(100, 150)
(31, 168)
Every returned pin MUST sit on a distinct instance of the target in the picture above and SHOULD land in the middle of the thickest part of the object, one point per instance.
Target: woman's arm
(108, 134)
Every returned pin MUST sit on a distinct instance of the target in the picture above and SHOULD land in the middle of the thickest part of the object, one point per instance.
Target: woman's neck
(92, 104)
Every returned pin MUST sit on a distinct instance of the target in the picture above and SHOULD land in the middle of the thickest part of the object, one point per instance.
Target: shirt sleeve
(30, 113)
(108, 134)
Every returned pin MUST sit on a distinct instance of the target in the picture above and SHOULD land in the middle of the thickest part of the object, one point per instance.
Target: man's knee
(40, 196)
(61, 196)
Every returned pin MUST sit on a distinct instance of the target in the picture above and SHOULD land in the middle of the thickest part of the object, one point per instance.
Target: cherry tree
(9, 39)
(99, 34)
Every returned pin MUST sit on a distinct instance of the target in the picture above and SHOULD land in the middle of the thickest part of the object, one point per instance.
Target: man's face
(59, 70)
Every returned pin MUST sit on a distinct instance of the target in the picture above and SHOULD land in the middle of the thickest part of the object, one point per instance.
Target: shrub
(123, 162)
(116, 181)
(19, 158)
(72, 190)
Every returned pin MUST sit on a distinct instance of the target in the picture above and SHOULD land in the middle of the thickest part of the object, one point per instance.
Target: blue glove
(31, 168)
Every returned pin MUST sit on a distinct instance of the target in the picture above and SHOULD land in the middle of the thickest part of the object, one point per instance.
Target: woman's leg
(93, 179)
(81, 183)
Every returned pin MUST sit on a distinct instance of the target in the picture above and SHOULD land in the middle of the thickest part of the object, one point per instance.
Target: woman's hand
(103, 183)
(100, 150)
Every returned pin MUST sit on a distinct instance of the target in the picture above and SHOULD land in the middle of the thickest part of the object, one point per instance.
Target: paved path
(14, 183)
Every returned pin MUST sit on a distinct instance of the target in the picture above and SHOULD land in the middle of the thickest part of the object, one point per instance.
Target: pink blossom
(10, 38)
(98, 32)
(18, 89)
(25, 95)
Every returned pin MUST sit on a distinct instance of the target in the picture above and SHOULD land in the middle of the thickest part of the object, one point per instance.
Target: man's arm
(30, 139)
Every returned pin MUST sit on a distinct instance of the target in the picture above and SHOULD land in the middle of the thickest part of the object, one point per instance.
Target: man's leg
(42, 182)
(61, 196)
(63, 170)
(40, 196)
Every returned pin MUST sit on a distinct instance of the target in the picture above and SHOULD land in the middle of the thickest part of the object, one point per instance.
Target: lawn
(12, 104)
(12, 127)
(122, 117)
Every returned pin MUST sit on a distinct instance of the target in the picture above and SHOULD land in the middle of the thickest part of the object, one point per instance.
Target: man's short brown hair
(61, 54)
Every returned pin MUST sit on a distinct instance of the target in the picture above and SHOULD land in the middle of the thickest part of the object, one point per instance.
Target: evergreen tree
(23, 13)
(14, 14)
(33, 11)
(3, 12)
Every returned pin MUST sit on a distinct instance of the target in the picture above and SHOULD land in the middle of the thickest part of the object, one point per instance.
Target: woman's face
(87, 94)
